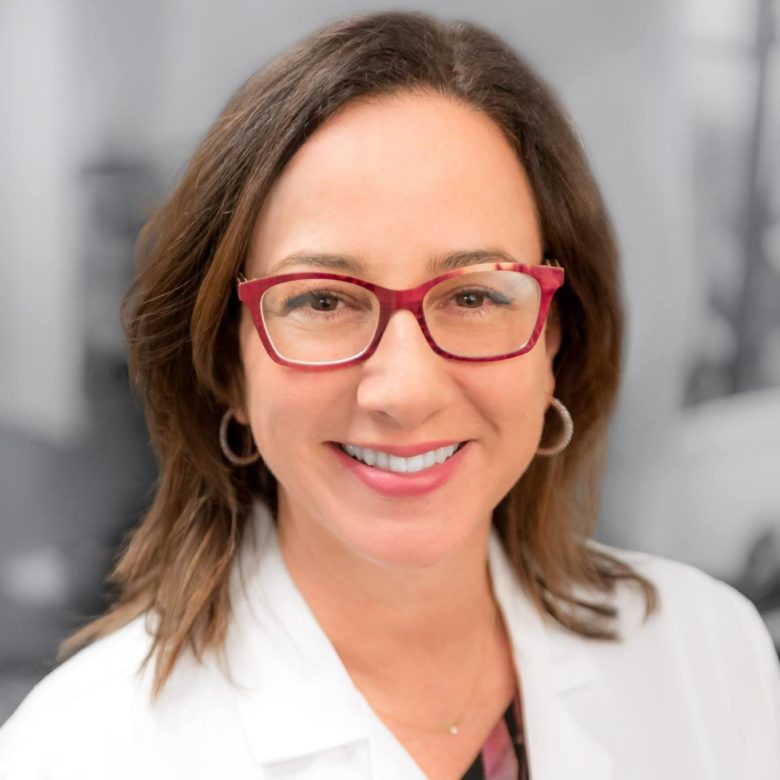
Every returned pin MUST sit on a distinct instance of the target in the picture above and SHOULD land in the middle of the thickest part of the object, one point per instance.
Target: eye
(323, 301)
(319, 301)
(473, 299)
(470, 299)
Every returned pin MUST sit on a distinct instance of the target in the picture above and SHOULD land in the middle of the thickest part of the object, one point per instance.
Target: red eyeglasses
(483, 312)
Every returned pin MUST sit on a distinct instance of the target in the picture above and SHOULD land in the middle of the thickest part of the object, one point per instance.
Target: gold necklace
(454, 725)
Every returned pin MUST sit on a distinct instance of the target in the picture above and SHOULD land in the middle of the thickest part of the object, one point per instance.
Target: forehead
(394, 182)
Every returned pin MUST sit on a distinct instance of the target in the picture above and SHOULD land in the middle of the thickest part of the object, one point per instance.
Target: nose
(405, 380)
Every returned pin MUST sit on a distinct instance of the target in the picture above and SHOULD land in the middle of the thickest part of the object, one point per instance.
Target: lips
(395, 485)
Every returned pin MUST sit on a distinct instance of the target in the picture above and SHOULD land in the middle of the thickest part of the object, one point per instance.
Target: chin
(406, 546)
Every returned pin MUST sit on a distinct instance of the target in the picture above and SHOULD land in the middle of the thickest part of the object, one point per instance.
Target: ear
(236, 381)
(235, 400)
(239, 415)
(552, 343)
(552, 336)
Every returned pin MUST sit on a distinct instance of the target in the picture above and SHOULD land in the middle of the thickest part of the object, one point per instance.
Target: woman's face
(396, 183)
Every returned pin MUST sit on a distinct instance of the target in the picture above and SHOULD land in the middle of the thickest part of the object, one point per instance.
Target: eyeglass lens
(478, 315)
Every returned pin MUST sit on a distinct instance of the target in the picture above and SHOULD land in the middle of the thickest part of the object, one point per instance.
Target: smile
(387, 462)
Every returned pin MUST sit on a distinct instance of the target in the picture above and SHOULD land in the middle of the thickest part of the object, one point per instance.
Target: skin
(400, 585)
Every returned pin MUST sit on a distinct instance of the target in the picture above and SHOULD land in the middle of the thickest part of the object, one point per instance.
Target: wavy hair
(181, 316)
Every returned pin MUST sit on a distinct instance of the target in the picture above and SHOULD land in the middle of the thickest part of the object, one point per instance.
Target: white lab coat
(692, 694)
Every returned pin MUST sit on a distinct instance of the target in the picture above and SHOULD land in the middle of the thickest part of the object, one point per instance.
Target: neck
(390, 618)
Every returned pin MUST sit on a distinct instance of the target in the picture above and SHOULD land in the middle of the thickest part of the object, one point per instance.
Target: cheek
(513, 397)
(277, 404)
(516, 391)
(265, 392)
(269, 389)
(290, 410)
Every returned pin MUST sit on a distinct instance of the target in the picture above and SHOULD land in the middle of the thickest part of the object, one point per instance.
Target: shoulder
(688, 596)
(702, 625)
(685, 591)
(94, 692)
(110, 661)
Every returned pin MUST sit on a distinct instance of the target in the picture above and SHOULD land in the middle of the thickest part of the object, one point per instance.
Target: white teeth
(417, 463)
(442, 454)
(384, 460)
(398, 464)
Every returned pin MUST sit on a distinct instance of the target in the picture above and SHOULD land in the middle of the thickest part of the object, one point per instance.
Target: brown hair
(181, 318)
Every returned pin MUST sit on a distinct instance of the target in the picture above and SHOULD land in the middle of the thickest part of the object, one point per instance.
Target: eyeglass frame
(549, 277)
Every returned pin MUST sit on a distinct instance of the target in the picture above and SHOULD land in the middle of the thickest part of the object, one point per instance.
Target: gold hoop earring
(568, 431)
(236, 460)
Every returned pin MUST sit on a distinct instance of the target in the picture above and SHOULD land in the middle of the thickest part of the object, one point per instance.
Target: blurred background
(102, 102)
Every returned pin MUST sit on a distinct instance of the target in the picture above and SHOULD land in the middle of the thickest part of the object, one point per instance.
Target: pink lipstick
(393, 485)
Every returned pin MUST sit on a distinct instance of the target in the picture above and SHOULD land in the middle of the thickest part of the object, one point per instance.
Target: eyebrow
(356, 265)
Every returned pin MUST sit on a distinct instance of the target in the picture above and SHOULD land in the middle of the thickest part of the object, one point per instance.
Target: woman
(368, 551)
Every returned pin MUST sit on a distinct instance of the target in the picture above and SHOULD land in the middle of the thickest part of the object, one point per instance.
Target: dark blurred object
(119, 193)
(66, 506)
(737, 210)
(760, 577)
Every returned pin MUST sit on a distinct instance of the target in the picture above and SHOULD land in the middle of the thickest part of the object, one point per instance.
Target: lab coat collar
(551, 664)
(294, 696)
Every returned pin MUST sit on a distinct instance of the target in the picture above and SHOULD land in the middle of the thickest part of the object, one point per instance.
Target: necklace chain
(453, 727)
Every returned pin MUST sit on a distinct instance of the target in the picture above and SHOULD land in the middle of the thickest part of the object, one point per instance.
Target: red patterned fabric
(503, 756)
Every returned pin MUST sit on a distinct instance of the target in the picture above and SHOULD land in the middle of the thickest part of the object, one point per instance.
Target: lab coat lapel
(294, 695)
(558, 747)
(549, 666)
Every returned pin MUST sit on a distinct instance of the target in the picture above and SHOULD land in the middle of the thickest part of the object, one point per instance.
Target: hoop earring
(236, 460)
(568, 431)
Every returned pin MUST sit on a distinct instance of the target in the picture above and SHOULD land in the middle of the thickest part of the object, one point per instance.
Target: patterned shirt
(503, 756)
